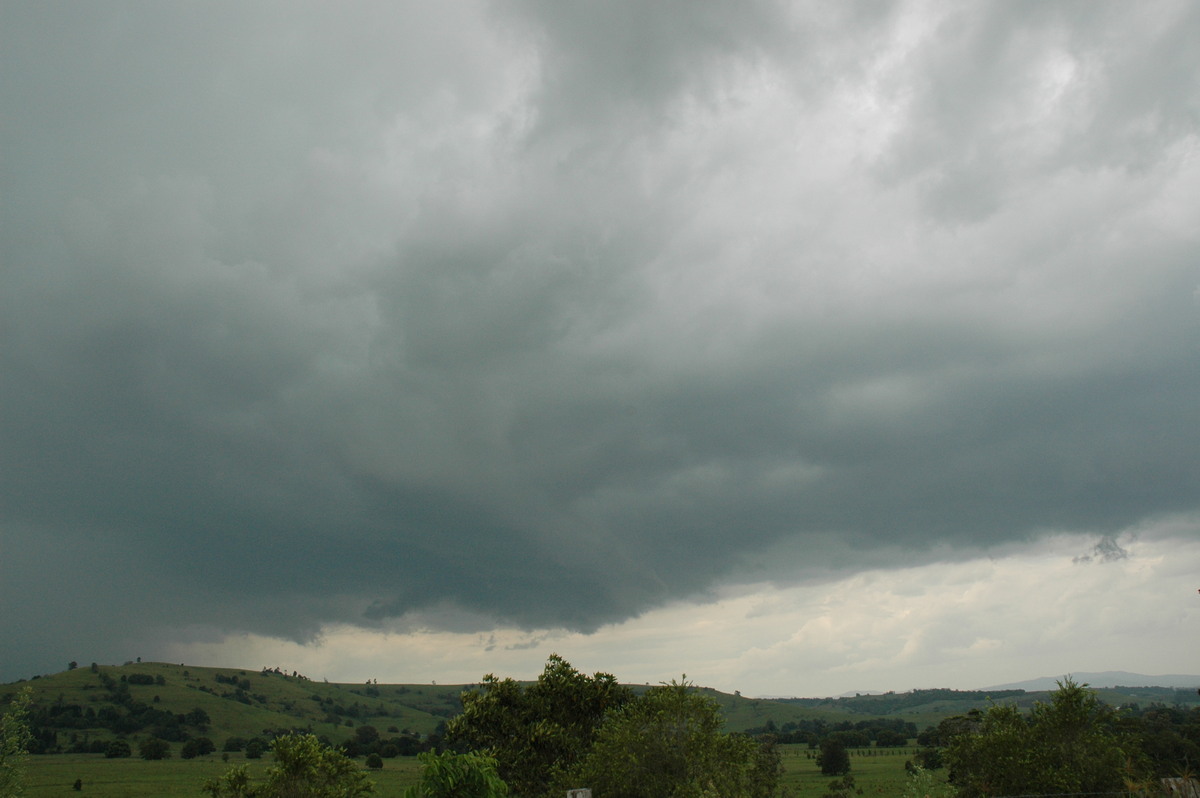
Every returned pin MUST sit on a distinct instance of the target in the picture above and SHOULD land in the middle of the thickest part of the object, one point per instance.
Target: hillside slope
(175, 702)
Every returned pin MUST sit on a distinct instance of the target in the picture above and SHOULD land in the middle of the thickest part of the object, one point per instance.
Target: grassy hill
(90, 702)
(242, 703)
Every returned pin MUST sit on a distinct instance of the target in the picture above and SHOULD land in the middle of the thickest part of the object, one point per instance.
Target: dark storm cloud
(551, 313)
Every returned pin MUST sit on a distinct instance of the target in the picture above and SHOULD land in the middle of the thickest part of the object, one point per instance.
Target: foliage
(842, 788)
(197, 746)
(118, 749)
(454, 775)
(14, 744)
(536, 731)
(929, 759)
(923, 783)
(669, 743)
(154, 748)
(304, 768)
(833, 759)
(1069, 745)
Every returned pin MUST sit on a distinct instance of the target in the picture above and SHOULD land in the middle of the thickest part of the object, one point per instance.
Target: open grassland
(246, 703)
(879, 773)
(136, 778)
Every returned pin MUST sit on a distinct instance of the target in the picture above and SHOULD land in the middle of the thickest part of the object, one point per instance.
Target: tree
(118, 749)
(453, 775)
(833, 758)
(304, 768)
(535, 732)
(1069, 745)
(14, 744)
(669, 743)
(154, 748)
(923, 784)
(197, 746)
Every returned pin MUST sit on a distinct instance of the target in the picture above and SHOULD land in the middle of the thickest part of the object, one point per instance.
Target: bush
(118, 749)
(303, 767)
(451, 775)
(154, 748)
(1074, 744)
(197, 746)
(374, 762)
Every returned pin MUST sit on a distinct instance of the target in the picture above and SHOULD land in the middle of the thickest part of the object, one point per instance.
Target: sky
(800, 348)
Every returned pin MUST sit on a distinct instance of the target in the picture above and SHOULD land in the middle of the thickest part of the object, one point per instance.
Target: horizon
(1033, 685)
(797, 347)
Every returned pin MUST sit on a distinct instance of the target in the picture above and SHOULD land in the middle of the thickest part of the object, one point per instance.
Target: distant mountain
(1105, 679)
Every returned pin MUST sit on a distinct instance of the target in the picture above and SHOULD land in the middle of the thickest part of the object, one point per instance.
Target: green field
(55, 775)
(876, 772)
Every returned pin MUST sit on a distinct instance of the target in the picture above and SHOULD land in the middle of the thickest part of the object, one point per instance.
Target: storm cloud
(547, 314)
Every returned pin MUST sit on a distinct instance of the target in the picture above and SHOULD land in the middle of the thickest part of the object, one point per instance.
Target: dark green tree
(670, 743)
(1070, 745)
(833, 759)
(196, 746)
(540, 730)
(118, 749)
(154, 748)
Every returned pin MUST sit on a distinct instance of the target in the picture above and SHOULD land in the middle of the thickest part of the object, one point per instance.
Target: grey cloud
(459, 316)
(1106, 550)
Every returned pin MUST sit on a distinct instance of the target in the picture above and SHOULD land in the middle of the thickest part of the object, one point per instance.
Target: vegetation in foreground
(568, 729)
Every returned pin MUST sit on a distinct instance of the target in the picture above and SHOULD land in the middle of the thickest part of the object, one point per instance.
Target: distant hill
(86, 705)
(1106, 679)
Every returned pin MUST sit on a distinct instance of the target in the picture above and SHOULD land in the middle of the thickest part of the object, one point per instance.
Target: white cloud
(1023, 613)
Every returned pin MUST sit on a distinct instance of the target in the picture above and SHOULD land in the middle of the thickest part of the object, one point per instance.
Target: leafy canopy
(1072, 744)
(669, 743)
(569, 730)
(304, 768)
(538, 730)
(14, 744)
(453, 775)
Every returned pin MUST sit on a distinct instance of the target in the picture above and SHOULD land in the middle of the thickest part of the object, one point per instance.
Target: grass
(55, 775)
(878, 773)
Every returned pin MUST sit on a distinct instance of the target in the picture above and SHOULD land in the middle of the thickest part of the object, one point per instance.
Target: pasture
(879, 772)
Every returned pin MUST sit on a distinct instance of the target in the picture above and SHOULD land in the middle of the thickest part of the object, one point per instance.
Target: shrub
(118, 749)
(154, 748)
